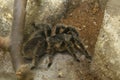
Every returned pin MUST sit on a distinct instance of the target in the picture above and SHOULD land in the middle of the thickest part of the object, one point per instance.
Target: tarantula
(41, 42)
(66, 39)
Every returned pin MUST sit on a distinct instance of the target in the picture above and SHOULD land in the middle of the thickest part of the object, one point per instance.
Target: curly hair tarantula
(42, 42)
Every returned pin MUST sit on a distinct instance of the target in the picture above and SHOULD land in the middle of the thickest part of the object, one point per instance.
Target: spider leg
(51, 56)
(82, 49)
(59, 28)
(71, 30)
(47, 30)
(35, 58)
(71, 50)
(50, 61)
(50, 50)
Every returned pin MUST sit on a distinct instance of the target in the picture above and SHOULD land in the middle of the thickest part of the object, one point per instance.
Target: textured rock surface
(106, 62)
(6, 9)
(63, 68)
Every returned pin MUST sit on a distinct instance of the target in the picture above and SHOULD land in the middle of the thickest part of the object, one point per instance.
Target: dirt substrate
(87, 17)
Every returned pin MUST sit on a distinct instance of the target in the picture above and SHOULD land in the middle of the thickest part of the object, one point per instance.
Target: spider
(41, 42)
(75, 38)
(66, 39)
(60, 43)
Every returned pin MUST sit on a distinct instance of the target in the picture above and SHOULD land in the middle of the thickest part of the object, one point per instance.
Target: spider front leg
(50, 54)
(35, 58)
(34, 62)
(82, 49)
(38, 53)
(71, 50)
(59, 28)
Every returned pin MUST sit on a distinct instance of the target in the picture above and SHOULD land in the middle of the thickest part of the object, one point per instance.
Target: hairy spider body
(41, 42)
(74, 38)
(60, 43)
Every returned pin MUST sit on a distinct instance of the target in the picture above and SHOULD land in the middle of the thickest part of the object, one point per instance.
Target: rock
(6, 10)
(106, 61)
(7, 76)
